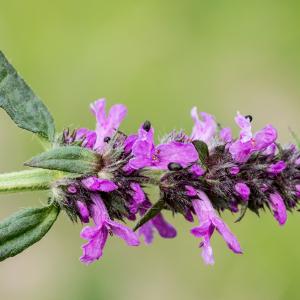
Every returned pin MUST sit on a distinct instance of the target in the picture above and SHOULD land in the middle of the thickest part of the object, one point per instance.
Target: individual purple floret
(247, 144)
(209, 221)
(146, 154)
(97, 235)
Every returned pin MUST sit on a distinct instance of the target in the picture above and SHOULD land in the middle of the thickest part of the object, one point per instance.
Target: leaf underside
(24, 228)
(21, 104)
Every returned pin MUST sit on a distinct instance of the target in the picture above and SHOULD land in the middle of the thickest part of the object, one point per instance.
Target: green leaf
(21, 104)
(73, 159)
(24, 228)
(150, 214)
(202, 150)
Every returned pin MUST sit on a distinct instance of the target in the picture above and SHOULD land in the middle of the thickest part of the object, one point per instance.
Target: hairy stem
(27, 180)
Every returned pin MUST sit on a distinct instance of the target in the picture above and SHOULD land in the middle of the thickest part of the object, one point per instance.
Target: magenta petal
(138, 163)
(144, 145)
(209, 221)
(82, 211)
(93, 250)
(190, 191)
(107, 125)
(243, 190)
(278, 207)
(241, 151)
(189, 216)
(203, 130)
(270, 150)
(201, 230)
(183, 154)
(277, 168)
(226, 135)
(124, 233)
(147, 231)
(197, 170)
(96, 184)
(245, 125)
(207, 252)
(234, 170)
(138, 197)
(129, 142)
(88, 136)
(165, 229)
(89, 232)
(265, 137)
(227, 235)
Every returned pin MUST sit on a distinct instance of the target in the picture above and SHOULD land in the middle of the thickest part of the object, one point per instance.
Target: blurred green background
(159, 58)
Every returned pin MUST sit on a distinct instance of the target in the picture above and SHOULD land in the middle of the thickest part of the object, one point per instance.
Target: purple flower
(72, 189)
(107, 125)
(278, 207)
(145, 154)
(197, 170)
(277, 168)
(105, 128)
(234, 170)
(243, 190)
(270, 150)
(129, 142)
(265, 137)
(209, 221)
(97, 235)
(247, 144)
(83, 211)
(138, 198)
(245, 126)
(203, 130)
(89, 137)
(164, 229)
(226, 135)
(96, 184)
(241, 151)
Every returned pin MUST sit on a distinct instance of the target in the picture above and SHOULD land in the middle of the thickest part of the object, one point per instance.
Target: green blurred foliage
(159, 58)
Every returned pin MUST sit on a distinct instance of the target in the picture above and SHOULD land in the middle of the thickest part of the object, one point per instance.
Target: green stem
(27, 180)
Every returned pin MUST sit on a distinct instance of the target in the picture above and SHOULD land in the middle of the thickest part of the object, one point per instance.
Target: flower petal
(175, 152)
(106, 126)
(265, 137)
(164, 229)
(203, 130)
(147, 231)
(124, 233)
(93, 250)
(278, 207)
(227, 235)
(96, 184)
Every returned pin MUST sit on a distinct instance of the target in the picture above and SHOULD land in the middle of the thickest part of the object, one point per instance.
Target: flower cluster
(198, 175)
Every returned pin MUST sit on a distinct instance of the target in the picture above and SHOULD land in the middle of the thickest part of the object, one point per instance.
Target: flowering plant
(100, 175)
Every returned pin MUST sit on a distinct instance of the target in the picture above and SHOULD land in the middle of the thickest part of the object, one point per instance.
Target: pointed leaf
(73, 159)
(202, 150)
(150, 214)
(21, 104)
(24, 228)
